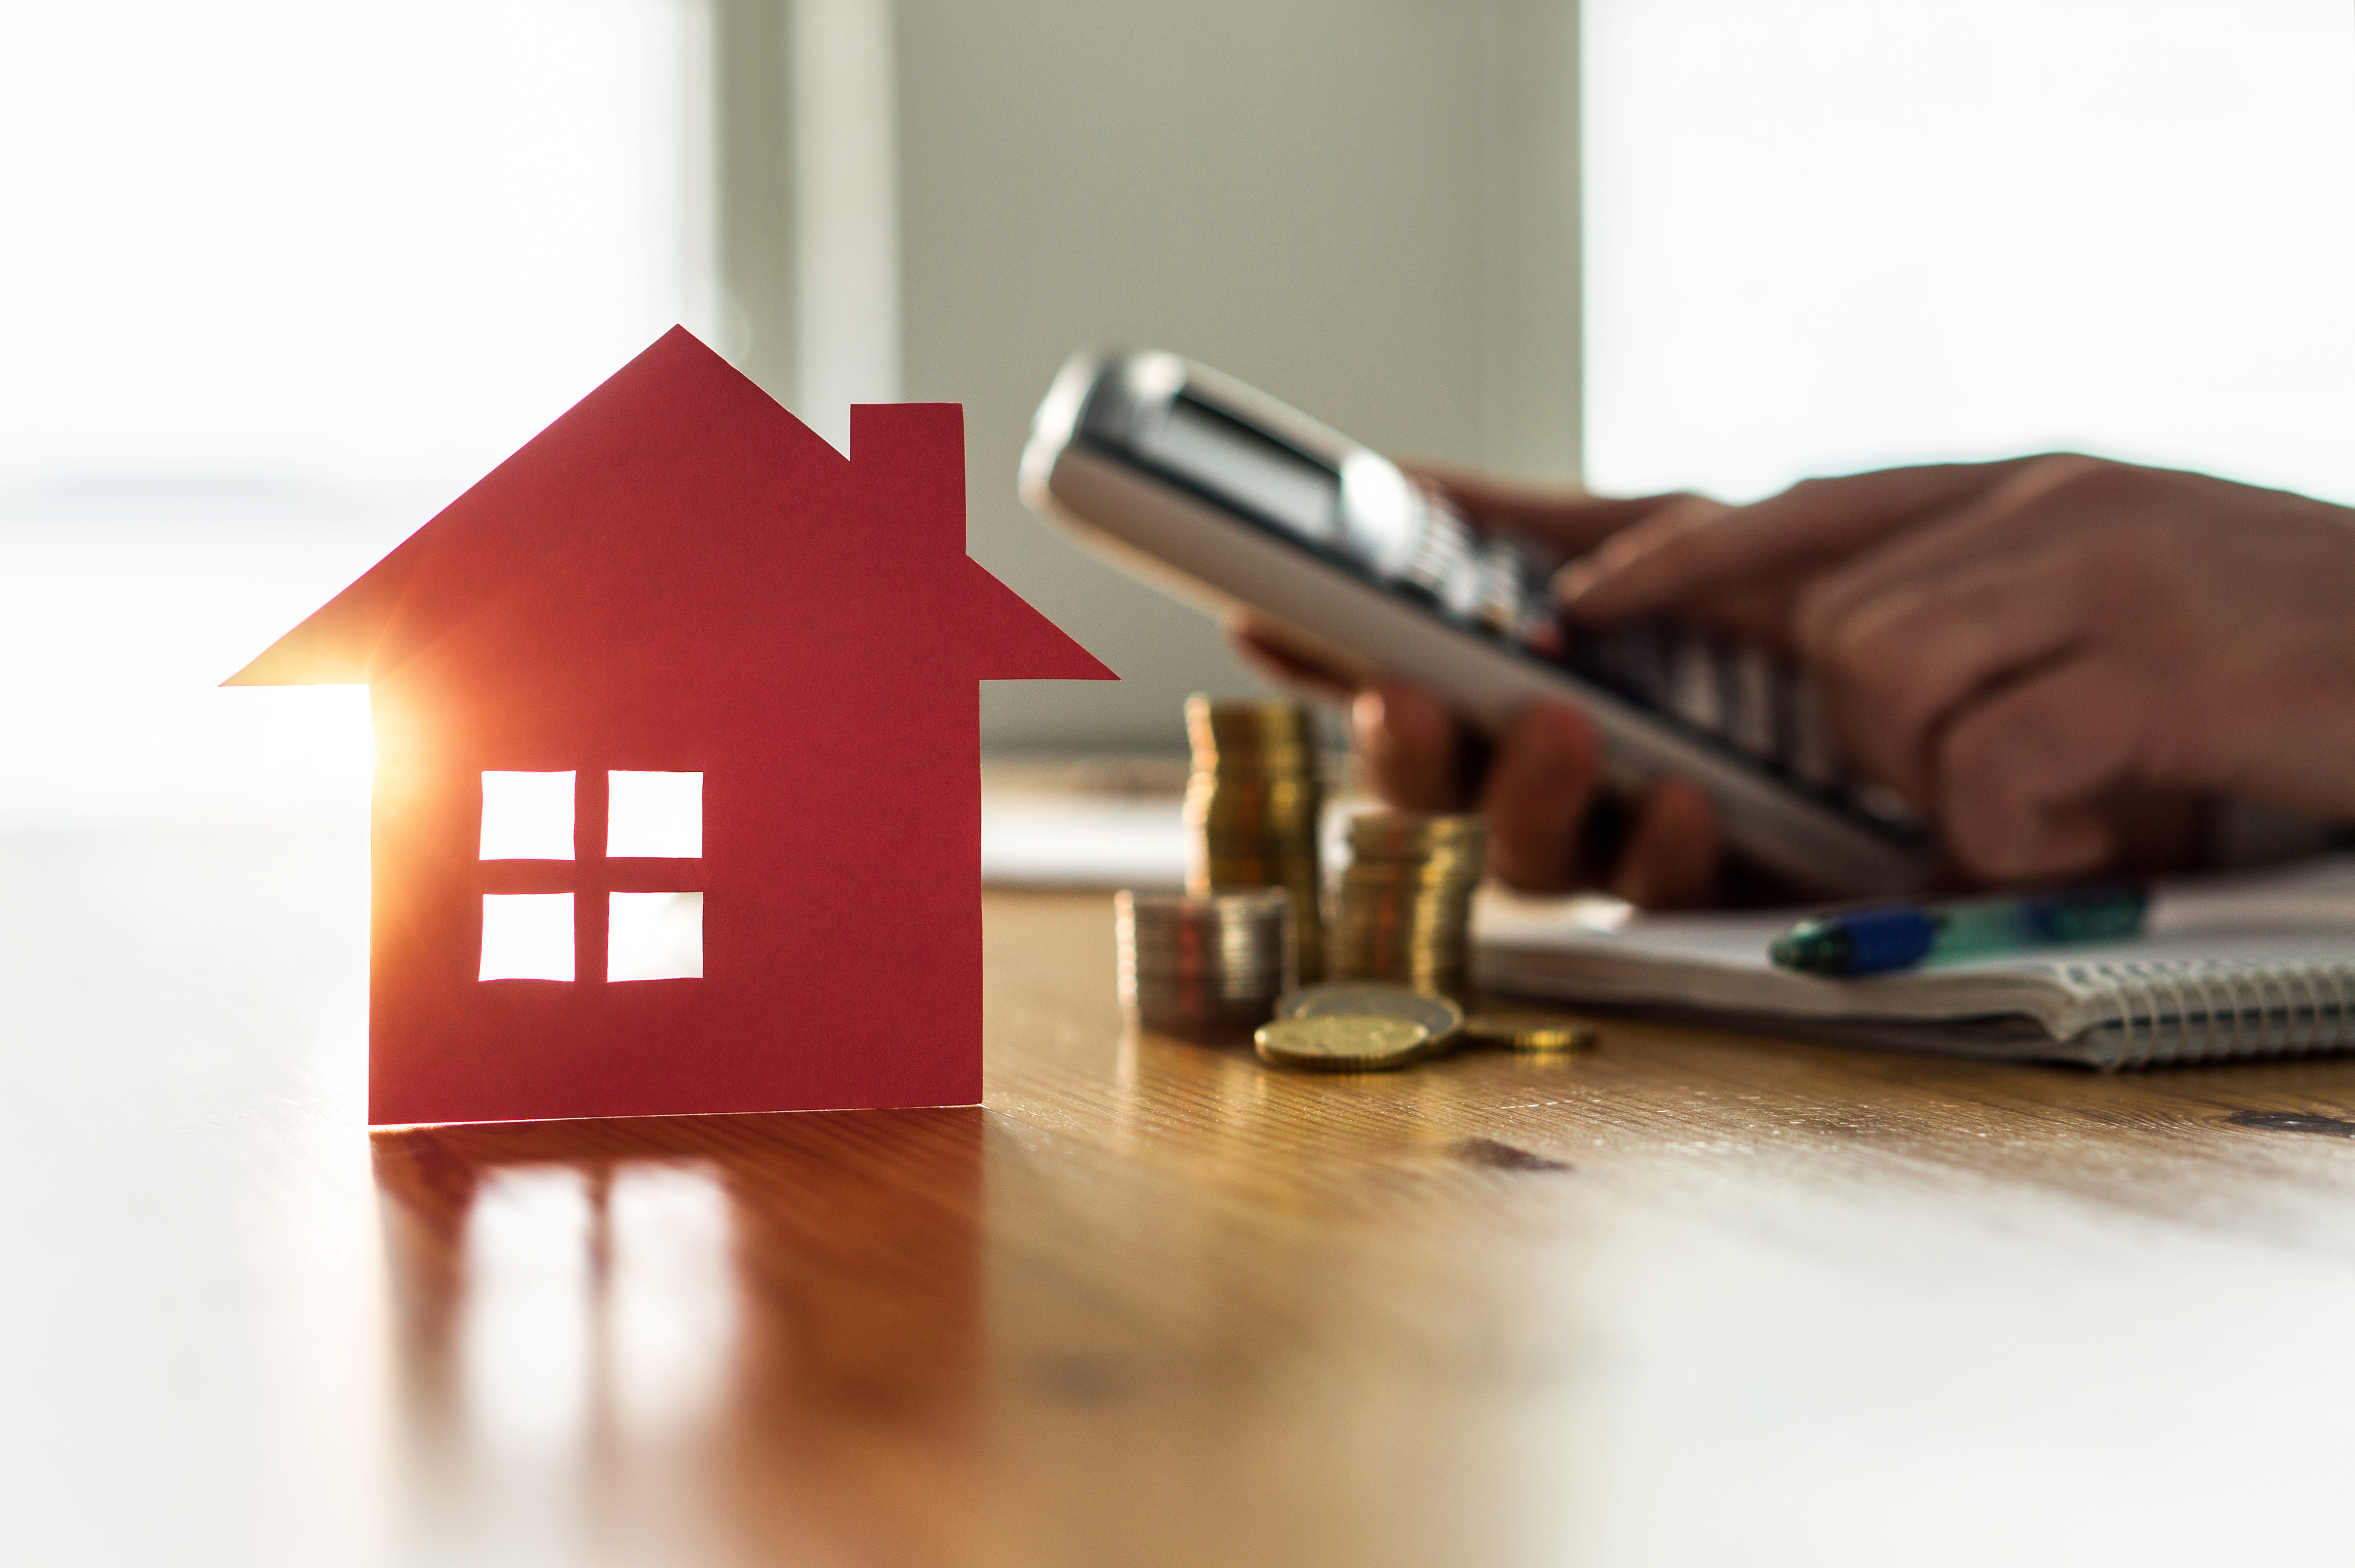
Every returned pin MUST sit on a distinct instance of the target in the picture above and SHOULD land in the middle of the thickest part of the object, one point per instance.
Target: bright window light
(669, 1342)
(280, 279)
(527, 816)
(526, 937)
(349, 243)
(529, 1316)
(654, 936)
(656, 814)
(1825, 235)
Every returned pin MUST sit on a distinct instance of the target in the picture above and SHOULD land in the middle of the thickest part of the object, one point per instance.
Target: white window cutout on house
(654, 815)
(654, 936)
(526, 937)
(527, 817)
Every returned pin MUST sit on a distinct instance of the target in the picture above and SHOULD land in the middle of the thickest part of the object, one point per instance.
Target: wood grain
(1688, 1297)
(1159, 1304)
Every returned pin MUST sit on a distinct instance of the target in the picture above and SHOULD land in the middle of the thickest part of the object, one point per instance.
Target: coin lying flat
(1373, 998)
(1345, 1042)
(1529, 1034)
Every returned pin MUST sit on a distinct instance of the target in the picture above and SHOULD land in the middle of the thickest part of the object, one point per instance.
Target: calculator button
(1756, 723)
(1814, 758)
(1696, 682)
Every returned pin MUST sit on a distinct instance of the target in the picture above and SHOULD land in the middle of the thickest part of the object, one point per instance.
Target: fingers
(2022, 508)
(1675, 556)
(1671, 859)
(1571, 518)
(1547, 777)
(2020, 775)
(1408, 744)
(1758, 609)
(1286, 665)
(1588, 583)
(1542, 784)
(1898, 666)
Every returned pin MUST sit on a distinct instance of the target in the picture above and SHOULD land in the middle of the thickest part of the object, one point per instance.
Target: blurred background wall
(1368, 206)
(281, 278)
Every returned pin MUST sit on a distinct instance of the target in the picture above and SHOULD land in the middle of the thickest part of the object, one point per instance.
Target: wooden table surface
(1689, 1298)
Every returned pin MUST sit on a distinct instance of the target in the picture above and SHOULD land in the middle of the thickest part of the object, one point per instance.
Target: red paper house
(680, 680)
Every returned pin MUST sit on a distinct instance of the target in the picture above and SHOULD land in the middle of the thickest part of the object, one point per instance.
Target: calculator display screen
(1286, 486)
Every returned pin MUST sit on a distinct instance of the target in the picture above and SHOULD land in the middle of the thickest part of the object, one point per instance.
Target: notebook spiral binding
(2216, 1010)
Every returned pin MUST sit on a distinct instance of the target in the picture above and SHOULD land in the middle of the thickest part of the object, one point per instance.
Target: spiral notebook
(2249, 965)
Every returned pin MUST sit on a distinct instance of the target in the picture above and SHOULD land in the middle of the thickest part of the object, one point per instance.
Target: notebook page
(2261, 936)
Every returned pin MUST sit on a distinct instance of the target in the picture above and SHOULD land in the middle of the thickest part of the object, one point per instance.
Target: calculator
(1231, 499)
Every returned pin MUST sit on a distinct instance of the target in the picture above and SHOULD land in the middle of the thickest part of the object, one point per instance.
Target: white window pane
(656, 936)
(1831, 234)
(656, 814)
(527, 816)
(526, 937)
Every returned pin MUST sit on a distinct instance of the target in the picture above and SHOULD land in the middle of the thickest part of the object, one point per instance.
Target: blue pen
(1901, 935)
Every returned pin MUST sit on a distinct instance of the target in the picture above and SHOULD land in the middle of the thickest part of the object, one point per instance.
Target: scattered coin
(1529, 1034)
(1342, 1043)
(1375, 998)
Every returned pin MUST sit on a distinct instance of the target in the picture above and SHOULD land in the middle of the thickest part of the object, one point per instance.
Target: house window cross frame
(591, 876)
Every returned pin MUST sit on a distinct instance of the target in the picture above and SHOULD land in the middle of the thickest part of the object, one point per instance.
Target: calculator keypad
(1739, 694)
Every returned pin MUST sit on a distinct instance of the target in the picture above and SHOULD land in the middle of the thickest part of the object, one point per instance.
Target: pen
(1883, 937)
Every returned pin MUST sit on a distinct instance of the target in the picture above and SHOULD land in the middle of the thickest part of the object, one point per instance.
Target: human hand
(1543, 781)
(1570, 519)
(1541, 789)
(2017, 646)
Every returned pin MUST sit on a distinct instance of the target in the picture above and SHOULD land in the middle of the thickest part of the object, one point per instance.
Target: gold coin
(1393, 879)
(1224, 804)
(1345, 1043)
(1248, 715)
(1530, 1034)
(1385, 835)
(1374, 999)
(1247, 729)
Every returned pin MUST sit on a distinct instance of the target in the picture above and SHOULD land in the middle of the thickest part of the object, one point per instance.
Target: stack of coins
(1251, 809)
(1207, 966)
(1405, 914)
